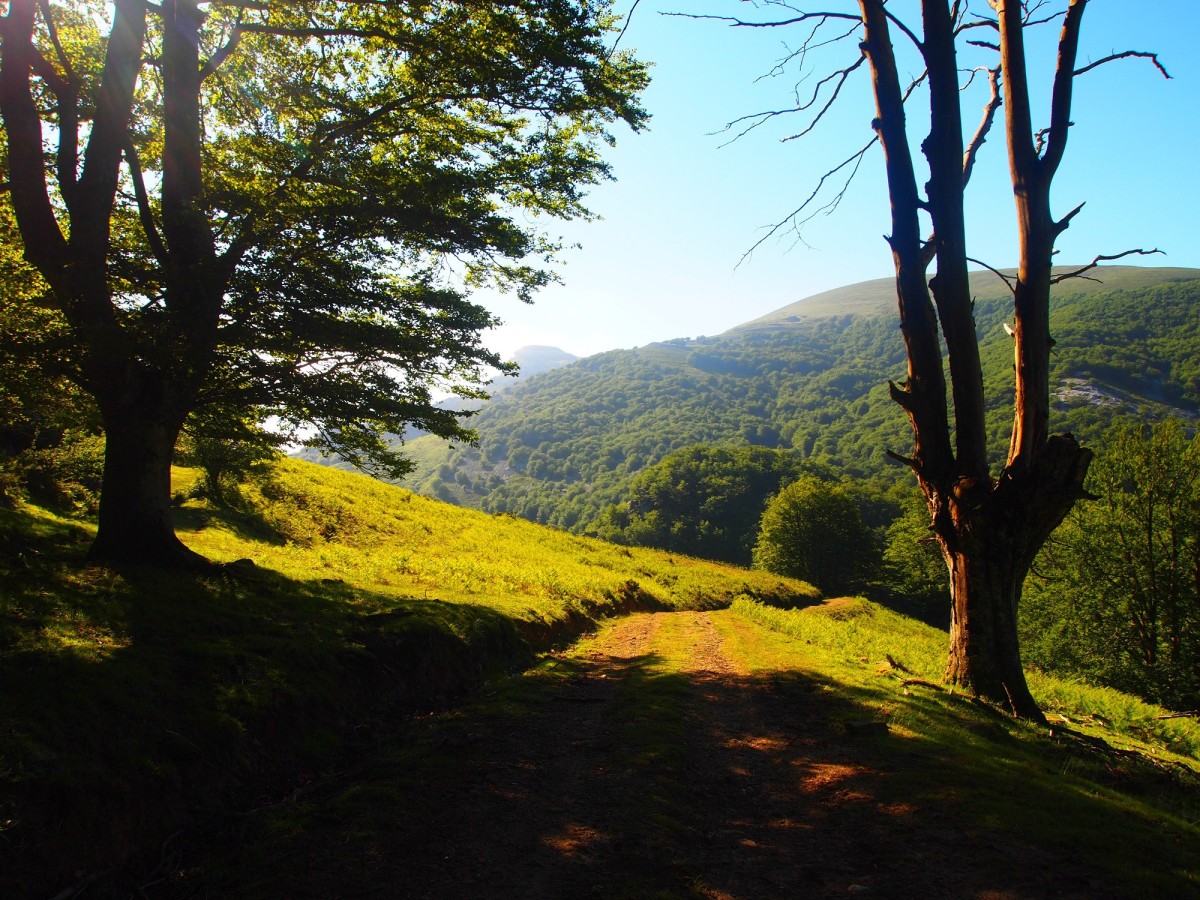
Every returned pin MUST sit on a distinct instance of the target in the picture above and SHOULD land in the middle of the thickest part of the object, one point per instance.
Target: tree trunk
(990, 536)
(986, 575)
(135, 510)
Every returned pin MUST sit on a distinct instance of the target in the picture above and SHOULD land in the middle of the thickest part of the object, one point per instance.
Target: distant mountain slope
(878, 297)
(536, 358)
(811, 378)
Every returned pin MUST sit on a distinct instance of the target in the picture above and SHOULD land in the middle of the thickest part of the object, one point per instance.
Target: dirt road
(649, 762)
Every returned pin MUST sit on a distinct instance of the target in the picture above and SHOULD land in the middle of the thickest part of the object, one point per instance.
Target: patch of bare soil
(764, 794)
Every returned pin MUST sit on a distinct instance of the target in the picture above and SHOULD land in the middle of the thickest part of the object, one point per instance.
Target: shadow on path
(628, 772)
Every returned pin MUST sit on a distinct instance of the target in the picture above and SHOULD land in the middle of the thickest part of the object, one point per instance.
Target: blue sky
(666, 260)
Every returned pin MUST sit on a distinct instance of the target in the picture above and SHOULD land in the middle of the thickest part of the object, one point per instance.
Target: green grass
(134, 702)
(1106, 779)
(138, 699)
(854, 635)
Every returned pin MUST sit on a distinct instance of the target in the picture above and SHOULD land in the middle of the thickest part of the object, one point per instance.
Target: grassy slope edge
(133, 703)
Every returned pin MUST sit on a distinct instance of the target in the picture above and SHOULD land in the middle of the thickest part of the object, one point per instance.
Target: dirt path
(657, 767)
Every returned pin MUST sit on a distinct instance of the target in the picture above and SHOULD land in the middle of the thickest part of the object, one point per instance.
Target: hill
(288, 725)
(810, 379)
(135, 703)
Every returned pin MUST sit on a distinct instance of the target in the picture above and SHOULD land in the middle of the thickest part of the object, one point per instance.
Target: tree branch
(52, 30)
(842, 76)
(145, 214)
(223, 52)
(855, 158)
(1008, 281)
(1077, 273)
(735, 22)
(985, 125)
(1064, 78)
(1062, 224)
(1141, 54)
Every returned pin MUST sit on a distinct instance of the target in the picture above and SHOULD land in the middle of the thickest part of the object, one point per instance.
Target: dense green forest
(566, 446)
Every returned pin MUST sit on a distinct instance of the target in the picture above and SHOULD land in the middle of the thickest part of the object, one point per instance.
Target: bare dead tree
(989, 527)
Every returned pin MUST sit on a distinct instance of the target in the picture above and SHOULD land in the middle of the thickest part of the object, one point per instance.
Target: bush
(814, 531)
(66, 475)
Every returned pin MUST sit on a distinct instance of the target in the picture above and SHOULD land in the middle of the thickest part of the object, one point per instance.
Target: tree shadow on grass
(136, 702)
(615, 777)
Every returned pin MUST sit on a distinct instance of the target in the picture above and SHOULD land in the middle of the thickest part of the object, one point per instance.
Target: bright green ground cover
(132, 702)
(135, 698)
(1108, 785)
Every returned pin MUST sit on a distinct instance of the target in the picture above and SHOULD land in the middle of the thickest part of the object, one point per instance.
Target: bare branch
(1008, 281)
(760, 118)
(856, 159)
(1128, 54)
(911, 463)
(899, 24)
(1060, 96)
(985, 125)
(981, 22)
(1062, 224)
(742, 23)
(624, 28)
(842, 77)
(809, 44)
(1100, 259)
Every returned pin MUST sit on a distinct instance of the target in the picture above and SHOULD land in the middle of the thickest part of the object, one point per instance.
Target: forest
(565, 446)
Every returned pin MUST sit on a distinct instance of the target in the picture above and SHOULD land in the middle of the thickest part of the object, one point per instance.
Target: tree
(703, 501)
(914, 570)
(813, 530)
(279, 207)
(989, 527)
(1115, 594)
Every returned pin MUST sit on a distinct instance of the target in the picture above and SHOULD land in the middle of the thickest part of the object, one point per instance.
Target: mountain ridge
(564, 445)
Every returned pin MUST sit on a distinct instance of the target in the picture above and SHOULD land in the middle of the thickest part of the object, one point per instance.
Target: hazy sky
(664, 260)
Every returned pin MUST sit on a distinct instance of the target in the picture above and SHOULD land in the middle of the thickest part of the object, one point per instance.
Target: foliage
(565, 445)
(814, 531)
(912, 562)
(227, 447)
(702, 501)
(47, 425)
(282, 208)
(65, 474)
(1116, 594)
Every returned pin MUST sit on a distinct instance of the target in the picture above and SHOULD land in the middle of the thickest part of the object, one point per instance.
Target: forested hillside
(810, 378)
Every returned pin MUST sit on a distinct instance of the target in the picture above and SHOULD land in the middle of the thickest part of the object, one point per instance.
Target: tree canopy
(281, 207)
(813, 530)
(1115, 595)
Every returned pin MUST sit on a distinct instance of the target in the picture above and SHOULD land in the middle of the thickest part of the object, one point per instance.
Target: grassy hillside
(878, 297)
(133, 702)
(565, 445)
(139, 711)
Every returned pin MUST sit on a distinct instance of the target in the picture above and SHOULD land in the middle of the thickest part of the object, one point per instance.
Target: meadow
(137, 705)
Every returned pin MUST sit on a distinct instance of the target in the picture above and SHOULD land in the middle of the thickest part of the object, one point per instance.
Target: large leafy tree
(989, 525)
(280, 207)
